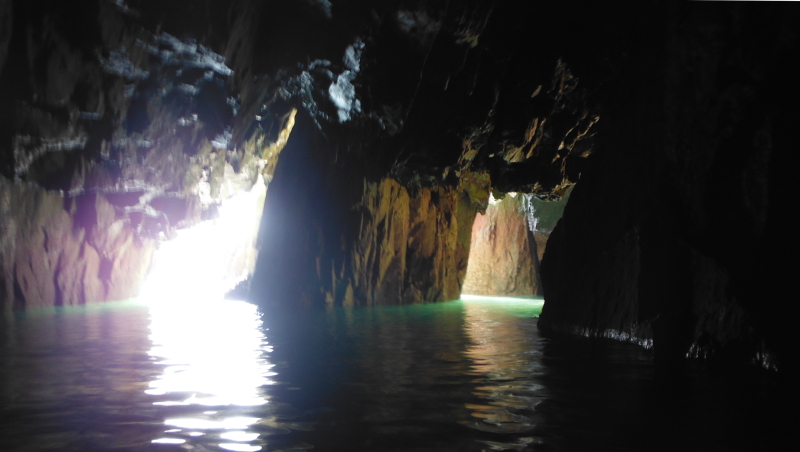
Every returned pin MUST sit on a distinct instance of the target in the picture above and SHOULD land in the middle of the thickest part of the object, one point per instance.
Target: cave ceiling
(420, 91)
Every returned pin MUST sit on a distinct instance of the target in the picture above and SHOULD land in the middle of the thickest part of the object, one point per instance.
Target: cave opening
(205, 261)
(392, 189)
(507, 245)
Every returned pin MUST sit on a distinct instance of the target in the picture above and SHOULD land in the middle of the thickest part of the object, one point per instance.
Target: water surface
(467, 375)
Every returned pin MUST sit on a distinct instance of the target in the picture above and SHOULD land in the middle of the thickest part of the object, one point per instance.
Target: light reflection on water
(459, 376)
(504, 357)
(214, 354)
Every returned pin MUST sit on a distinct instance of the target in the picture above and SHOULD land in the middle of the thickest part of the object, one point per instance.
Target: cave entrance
(508, 243)
(207, 260)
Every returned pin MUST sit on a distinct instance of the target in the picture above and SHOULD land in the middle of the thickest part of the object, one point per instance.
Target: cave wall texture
(113, 134)
(675, 236)
(672, 120)
(374, 200)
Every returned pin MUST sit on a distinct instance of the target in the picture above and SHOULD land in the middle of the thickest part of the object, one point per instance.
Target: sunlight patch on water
(495, 351)
(213, 352)
(516, 306)
(239, 447)
(239, 435)
(168, 441)
(231, 423)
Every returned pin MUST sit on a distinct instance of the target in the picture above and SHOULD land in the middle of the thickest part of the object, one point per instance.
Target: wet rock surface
(672, 237)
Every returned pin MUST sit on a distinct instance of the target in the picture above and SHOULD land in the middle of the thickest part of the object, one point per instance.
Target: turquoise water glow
(467, 375)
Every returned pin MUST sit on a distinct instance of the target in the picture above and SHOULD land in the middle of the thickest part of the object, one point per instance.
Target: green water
(468, 375)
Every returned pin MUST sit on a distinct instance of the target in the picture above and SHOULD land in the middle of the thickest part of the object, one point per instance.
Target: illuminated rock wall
(62, 251)
(411, 248)
(331, 235)
(503, 257)
(112, 137)
(406, 248)
(164, 109)
(370, 204)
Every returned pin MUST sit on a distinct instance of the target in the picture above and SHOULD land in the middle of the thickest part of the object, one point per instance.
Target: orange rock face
(503, 256)
(414, 247)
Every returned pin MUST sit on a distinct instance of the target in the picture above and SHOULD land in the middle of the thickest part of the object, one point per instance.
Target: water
(467, 375)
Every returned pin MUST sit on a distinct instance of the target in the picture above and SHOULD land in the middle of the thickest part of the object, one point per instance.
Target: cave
(396, 225)
(508, 243)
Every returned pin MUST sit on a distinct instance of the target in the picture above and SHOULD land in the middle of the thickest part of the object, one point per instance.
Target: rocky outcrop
(410, 108)
(543, 215)
(411, 248)
(404, 107)
(112, 136)
(673, 235)
(503, 258)
(328, 237)
(58, 250)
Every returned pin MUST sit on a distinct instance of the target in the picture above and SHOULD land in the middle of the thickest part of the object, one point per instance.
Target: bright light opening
(207, 260)
(213, 351)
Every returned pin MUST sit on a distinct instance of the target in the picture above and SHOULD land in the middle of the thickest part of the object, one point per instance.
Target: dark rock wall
(674, 235)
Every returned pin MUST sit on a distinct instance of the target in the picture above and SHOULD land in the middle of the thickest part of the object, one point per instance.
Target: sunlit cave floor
(467, 375)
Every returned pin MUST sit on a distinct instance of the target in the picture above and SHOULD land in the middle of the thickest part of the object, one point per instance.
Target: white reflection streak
(213, 350)
(239, 447)
(168, 441)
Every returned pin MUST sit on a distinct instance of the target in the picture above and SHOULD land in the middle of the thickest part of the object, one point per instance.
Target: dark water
(462, 376)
